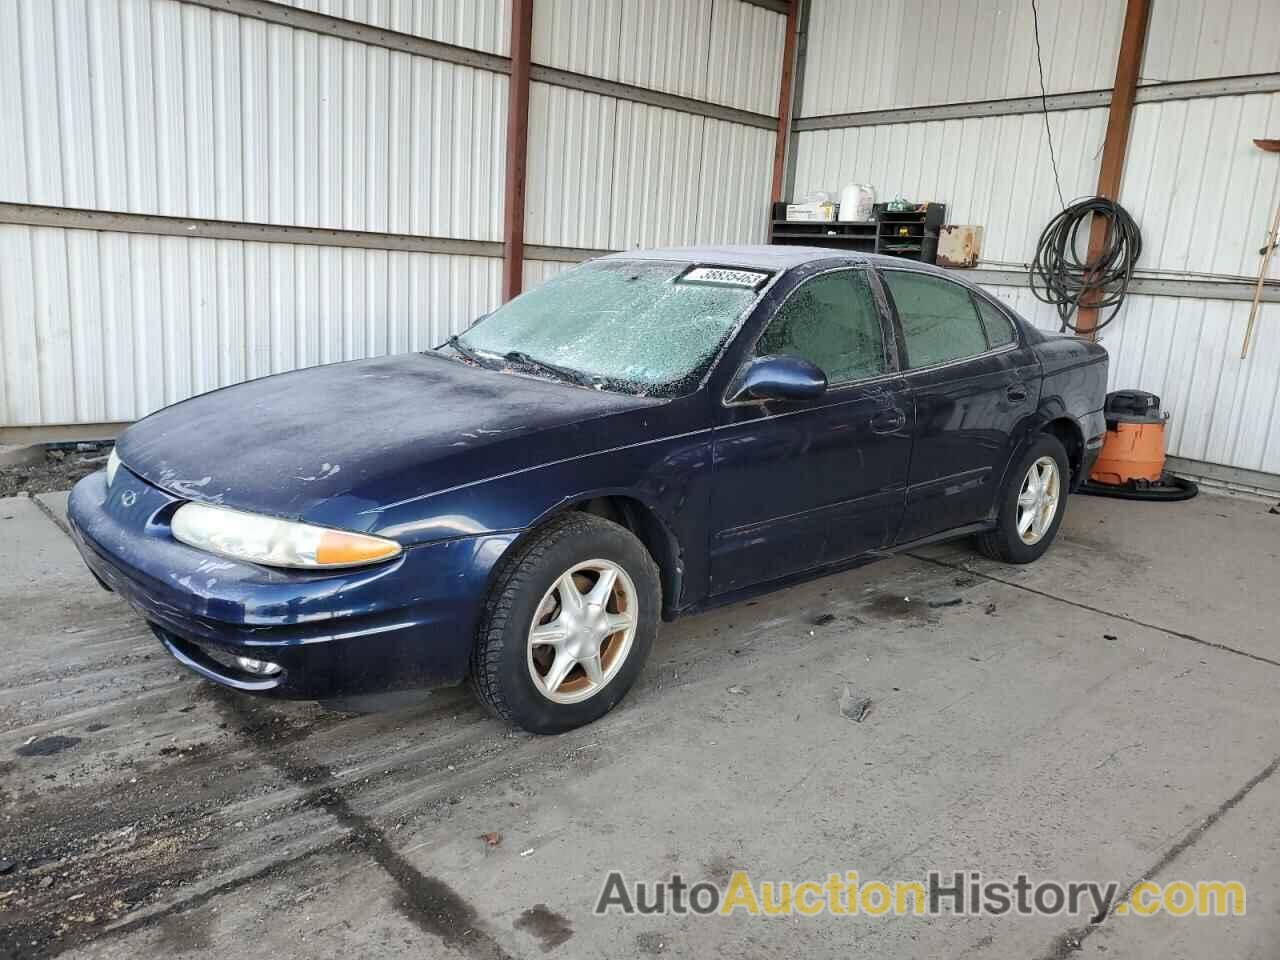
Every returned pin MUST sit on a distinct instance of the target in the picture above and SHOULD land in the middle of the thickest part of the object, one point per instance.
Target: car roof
(767, 257)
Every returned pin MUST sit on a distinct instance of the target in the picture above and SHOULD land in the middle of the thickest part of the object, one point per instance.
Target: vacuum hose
(1059, 277)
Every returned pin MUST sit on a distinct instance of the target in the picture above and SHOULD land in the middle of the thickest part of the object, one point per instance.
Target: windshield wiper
(562, 373)
(464, 351)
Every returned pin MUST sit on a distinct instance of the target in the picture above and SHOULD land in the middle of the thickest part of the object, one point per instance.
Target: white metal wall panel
(1200, 190)
(477, 24)
(993, 171)
(161, 107)
(722, 51)
(605, 174)
(735, 176)
(584, 36)
(658, 44)
(570, 174)
(1199, 39)
(538, 272)
(98, 326)
(884, 54)
(655, 177)
(1187, 351)
(665, 45)
(746, 56)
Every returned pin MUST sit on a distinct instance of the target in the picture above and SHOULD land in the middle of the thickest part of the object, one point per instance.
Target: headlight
(275, 543)
(113, 464)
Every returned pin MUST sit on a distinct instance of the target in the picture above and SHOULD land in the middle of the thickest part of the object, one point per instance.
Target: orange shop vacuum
(1131, 465)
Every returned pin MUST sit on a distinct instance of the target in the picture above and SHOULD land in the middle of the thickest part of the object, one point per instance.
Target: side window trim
(888, 335)
(904, 350)
(994, 303)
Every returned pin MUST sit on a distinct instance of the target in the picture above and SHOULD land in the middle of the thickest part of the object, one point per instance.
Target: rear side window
(938, 318)
(833, 322)
(999, 329)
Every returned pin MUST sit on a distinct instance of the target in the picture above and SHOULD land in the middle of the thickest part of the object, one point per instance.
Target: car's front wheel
(568, 624)
(1032, 504)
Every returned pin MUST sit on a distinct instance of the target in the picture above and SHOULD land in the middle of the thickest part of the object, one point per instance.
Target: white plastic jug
(857, 201)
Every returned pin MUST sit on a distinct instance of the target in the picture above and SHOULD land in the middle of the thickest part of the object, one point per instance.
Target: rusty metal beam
(517, 149)
(1110, 171)
(785, 101)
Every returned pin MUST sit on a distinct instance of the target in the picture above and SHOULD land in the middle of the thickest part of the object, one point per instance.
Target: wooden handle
(1262, 278)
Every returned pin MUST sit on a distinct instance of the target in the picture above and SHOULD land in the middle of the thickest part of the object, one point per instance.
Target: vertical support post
(785, 100)
(1116, 145)
(517, 149)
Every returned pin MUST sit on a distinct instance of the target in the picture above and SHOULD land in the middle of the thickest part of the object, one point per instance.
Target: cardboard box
(824, 212)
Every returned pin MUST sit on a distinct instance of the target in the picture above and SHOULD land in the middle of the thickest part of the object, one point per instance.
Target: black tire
(499, 672)
(1003, 542)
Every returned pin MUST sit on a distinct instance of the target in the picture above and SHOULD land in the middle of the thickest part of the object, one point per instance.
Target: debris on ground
(853, 705)
(46, 746)
(822, 619)
(990, 609)
(61, 469)
(947, 600)
(738, 690)
(7, 866)
(492, 839)
(1109, 636)
(527, 853)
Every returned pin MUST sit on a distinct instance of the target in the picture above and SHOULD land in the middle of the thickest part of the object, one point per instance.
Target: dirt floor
(1109, 713)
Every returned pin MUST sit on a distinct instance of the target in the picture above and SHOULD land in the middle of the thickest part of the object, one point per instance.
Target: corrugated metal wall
(162, 107)
(883, 54)
(1196, 39)
(126, 323)
(721, 51)
(608, 173)
(475, 24)
(1200, 191)
(989, 170)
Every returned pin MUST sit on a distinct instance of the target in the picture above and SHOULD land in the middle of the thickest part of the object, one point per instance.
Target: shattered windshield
(638, 326)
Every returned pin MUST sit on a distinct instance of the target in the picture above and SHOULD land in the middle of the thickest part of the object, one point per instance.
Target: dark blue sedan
(646, 435)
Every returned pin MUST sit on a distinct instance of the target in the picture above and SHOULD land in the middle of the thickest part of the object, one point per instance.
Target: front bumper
(403, 624)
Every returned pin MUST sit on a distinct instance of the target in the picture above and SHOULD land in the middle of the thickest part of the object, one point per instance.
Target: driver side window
(833, 322)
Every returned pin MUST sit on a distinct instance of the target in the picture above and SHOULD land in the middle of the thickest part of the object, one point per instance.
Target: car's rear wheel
(1032, 504)
(568, 624)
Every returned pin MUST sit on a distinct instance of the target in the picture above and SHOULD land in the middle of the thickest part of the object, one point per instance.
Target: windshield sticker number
(723, 277)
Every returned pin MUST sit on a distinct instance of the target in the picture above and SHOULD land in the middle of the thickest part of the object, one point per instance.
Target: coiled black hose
(1060, 277)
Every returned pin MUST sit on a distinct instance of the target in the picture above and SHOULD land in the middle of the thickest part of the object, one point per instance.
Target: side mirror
(781, 378)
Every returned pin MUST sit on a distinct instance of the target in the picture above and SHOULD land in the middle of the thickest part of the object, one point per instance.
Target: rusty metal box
(959, 245)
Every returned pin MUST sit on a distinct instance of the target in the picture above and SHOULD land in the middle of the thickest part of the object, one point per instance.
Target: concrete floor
(1108, 713)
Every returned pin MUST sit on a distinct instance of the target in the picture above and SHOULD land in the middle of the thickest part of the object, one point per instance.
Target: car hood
(331, 444)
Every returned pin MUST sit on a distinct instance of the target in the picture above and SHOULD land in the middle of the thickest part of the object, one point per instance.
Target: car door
(800, 484)
(973, 380)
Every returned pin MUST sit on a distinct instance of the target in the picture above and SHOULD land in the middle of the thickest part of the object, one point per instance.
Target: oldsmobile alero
(646, 435)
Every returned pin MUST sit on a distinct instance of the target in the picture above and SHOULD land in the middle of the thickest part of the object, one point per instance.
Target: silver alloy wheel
(1038, 500)
(582, 631)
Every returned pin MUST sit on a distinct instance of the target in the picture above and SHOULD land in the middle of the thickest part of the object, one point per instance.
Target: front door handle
(888, 421)
(1017, 392)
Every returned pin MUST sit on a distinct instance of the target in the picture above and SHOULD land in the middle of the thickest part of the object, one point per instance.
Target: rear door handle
(1017, 392)
(887, 421)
